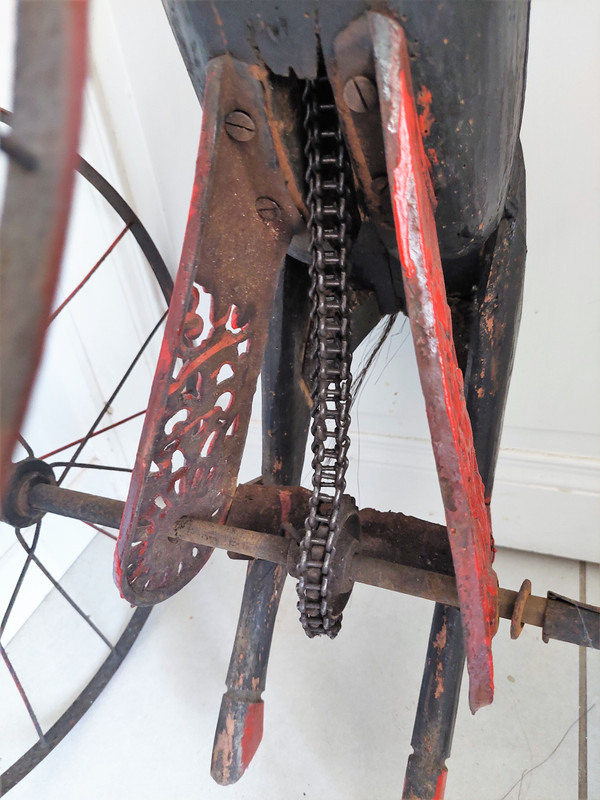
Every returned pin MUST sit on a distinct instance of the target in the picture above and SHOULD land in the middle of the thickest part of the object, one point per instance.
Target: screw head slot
(360, 94)
(268, 210)
(240, 126)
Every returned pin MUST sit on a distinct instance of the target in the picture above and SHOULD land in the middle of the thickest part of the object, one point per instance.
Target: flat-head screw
(239, 126)
(267, 209)
(360, 94)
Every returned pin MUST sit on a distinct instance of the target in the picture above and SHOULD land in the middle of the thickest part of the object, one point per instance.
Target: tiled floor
(338, 714)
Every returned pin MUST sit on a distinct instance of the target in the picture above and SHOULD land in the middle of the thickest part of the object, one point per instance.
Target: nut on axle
(16, 509)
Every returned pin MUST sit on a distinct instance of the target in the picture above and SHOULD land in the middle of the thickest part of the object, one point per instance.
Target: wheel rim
(70, 460)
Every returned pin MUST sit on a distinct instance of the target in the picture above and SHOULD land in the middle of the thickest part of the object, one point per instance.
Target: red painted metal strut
(240, 225)
(413, 200)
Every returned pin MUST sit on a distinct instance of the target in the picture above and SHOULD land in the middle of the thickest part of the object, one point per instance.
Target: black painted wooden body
(468, 56)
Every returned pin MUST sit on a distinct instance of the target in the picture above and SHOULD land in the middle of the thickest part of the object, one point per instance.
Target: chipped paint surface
(223, 750)
(239, 733)
(201, 397)
(439, 683)
(440, 639)
(441, 380)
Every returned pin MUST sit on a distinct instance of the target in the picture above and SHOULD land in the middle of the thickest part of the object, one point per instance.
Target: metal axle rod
(383, 574)
(559, 617)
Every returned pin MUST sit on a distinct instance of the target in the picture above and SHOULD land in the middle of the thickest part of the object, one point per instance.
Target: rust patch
(218, 318)
(426, 118)
(441, 379)
(433, 156)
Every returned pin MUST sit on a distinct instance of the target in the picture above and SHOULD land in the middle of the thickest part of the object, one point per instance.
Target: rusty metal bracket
(353, 80)
(242, 219)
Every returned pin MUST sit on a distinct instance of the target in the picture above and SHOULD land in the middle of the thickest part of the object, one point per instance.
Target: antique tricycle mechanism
(243, 214)
(339, 154)
(323, 200)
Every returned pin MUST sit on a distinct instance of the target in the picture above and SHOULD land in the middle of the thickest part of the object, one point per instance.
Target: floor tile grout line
(582, 732)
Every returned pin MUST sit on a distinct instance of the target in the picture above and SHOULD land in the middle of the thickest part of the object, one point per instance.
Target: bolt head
(240, 126)
(268, 210)
(360, 94)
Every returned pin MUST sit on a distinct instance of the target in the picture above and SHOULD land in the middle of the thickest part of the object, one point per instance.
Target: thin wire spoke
(79, 465)
(110, 400)
(96, 433)
(101, 530)
(19, 582)
(96, 266)
(61, 591)
(23, 694)
(26, 446)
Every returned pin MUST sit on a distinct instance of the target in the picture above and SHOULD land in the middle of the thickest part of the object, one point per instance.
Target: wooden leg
(285, 426)
(487, 363)
(431, 741)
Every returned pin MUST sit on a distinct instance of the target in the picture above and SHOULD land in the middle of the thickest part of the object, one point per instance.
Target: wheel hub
(16, 510)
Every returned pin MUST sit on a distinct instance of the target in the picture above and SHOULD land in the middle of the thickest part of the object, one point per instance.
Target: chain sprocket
(328, 182)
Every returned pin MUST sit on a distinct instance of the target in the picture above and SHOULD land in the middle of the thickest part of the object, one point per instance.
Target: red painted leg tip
(238, 735)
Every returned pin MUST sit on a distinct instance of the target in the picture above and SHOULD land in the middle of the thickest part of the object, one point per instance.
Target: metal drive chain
(328, 182)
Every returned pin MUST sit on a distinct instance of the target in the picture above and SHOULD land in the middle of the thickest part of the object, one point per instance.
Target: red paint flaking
(462, 488)
(429, 295)
(432, 156)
